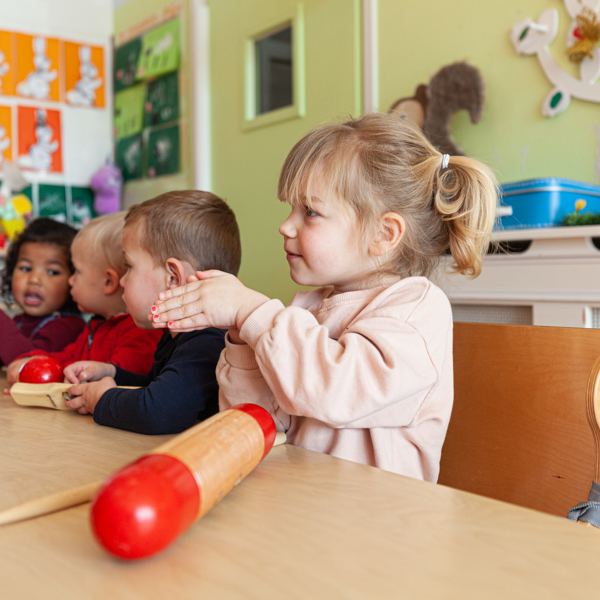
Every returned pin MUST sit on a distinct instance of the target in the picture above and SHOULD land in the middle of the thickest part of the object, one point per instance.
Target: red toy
(41, 369)
(148, 504)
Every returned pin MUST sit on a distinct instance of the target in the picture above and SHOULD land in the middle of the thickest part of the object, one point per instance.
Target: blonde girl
(361, 367)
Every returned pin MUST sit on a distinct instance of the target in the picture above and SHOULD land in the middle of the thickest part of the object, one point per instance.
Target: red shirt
(117, 340)
(24, 334)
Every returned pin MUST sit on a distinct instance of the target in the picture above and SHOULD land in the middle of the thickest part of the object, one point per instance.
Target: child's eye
(311, 213)
(53, 272)
(24, 269)
(127, 266)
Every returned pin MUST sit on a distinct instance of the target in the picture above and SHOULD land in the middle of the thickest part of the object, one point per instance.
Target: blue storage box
(537, 203)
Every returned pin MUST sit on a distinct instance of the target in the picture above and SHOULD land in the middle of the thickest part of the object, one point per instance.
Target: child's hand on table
(209, 299)
(88, 370)
(86, 395)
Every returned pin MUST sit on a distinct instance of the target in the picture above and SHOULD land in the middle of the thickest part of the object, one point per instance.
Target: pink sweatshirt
(364, 375)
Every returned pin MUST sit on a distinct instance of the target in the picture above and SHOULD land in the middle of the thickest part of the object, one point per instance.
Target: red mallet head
(148, 504)
(41, 369)
(145, 507)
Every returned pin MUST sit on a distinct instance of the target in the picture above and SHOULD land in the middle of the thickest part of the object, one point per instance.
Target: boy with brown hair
(165, 240)
(111, 334)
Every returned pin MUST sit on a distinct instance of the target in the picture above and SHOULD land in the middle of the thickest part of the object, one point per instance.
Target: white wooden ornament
(535, 37)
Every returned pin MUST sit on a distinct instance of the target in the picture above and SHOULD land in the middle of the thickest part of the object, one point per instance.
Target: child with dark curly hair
(36, 279)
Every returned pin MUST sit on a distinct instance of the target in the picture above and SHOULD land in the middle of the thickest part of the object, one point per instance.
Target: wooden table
(302, 525)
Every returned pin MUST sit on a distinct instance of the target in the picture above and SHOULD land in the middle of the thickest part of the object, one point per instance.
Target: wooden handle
(67, 498)
(48, 395)
(50, 504)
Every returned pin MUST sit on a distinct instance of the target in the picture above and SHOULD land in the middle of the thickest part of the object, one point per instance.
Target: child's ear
(389, 233)
(111, 282)
(176, 274)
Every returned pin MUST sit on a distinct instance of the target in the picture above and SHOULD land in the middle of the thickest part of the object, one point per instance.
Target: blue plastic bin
(537, 203)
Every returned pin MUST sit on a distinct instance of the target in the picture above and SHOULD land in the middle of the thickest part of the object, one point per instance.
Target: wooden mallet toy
(148, 504)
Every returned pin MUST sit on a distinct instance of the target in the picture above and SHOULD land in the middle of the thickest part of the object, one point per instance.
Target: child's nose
(287, 229)
(71, 280)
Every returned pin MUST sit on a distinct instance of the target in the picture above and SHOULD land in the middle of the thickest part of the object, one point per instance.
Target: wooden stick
(67, 499)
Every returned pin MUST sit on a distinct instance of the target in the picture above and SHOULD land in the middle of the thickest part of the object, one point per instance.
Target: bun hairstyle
(381, 163)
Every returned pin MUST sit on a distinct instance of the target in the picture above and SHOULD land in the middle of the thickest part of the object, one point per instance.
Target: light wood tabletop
(302, 525)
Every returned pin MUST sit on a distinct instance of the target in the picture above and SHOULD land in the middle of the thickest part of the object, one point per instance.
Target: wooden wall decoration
(535, 38)
(455, 87)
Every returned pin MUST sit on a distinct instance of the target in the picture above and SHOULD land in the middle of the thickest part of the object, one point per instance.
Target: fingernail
(153, 309)
(170, 323)
(155, 317)
(161, 296)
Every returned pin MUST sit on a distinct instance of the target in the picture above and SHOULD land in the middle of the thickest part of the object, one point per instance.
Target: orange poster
(6, 145)
(40, 144)
(37, 67)
(7, 82)
(84, 74)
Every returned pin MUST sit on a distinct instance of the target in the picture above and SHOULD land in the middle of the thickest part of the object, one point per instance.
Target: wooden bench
(519, 430)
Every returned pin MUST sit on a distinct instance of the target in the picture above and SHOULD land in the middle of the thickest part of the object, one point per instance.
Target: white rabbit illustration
(4, 67)
(37, 83)
(4, 143)
(40, 154)
(84, 92)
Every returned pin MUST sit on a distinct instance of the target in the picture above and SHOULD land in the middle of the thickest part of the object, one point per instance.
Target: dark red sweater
(117, 340)
(52, 337)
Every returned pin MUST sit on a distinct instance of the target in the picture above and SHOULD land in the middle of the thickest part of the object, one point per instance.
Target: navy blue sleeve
(184, 391)
(123, 377)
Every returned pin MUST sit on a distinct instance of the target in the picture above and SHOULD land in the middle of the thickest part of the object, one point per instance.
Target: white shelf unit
(555, 281)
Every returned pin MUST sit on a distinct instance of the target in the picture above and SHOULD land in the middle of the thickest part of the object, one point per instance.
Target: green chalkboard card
(82, 205)
(129, 157)
(163, 151)
(129, 111)
(160, 51)
(126, 61)
(162, 100)
(53, 202)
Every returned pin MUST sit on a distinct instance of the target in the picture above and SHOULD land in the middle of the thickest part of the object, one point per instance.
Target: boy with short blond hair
(111, 334)
(165, 241)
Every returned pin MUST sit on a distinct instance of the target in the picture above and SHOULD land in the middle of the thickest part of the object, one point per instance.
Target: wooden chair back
(519, 430)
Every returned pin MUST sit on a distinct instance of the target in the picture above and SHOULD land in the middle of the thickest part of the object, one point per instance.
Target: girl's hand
(88, 370)
(86, 395)
(210, 299)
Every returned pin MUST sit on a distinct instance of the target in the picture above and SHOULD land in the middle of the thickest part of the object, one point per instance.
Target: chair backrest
(519, 430)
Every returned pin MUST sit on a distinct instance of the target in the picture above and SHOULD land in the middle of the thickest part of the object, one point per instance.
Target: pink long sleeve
(365, 375)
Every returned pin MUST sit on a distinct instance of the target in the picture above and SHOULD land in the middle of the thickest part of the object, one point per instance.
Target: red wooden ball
(41, 369)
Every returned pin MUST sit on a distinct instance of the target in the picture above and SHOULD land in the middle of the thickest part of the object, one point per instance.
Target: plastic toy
(106, 184)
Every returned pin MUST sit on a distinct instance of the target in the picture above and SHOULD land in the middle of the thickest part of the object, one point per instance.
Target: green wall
(417, 38)
(246, 163)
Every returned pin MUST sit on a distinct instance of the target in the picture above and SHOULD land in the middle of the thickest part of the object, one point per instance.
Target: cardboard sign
(162, 100)
(129, 157)
(37, 67)
(163, 151)
(84, 75)
(6, 143)
(40, 142)
(129, 111)
(7, 67)
(126, 61)
(160, 51)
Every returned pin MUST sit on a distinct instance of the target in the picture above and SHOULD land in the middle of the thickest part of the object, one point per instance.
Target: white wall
(86, 133)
